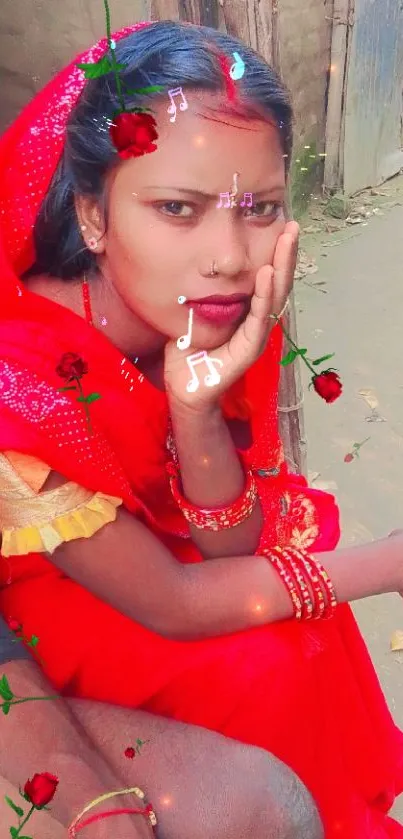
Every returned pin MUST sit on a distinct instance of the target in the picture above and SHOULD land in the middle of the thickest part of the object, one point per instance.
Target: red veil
(308, 693)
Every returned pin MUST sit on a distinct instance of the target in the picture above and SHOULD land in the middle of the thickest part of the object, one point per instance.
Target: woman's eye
(264, 209)
(177, 209)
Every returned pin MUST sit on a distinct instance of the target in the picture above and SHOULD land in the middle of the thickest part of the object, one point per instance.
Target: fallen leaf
(370, 397)
(396, 641)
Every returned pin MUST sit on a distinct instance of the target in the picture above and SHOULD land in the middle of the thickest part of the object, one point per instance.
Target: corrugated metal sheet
(373, 112)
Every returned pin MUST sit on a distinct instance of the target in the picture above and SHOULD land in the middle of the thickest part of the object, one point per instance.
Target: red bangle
(219, 518)
(287, 578)
(320, 580)
(307, 581)
(300, 575)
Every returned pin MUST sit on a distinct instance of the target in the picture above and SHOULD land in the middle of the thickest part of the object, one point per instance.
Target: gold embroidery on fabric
(304, 526)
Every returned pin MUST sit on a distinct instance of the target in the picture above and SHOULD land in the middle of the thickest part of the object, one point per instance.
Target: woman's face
(165, 232)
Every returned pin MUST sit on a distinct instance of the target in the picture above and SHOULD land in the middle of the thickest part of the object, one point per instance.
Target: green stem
(29, 699)
(359, 445)
(114, 62)
(26, 641)
(86, 408)
(28, 816)
(295, 347)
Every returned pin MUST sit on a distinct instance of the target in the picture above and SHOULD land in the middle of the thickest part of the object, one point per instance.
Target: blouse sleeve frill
(45, 537)
(32, 522)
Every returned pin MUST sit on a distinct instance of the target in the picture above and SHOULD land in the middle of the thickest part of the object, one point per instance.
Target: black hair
(165, 53)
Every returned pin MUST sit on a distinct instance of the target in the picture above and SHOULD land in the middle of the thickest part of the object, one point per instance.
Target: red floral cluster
(133, 134)
(328, 385)
(40, 790)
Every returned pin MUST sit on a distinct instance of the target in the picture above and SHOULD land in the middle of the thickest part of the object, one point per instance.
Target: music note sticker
(249, 196)
(238, 68)
(176, 91)
(227, 197)
(212, 378)
(185, 340)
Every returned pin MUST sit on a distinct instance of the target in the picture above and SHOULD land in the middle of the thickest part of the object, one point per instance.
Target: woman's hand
(272, 287)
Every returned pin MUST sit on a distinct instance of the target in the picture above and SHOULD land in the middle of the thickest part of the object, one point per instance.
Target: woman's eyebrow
(276, 188)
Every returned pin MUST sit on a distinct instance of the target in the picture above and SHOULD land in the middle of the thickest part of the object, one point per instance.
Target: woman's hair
(165, 53)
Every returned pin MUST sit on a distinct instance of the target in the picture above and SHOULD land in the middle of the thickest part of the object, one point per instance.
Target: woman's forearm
(237, 593)
(213, 476)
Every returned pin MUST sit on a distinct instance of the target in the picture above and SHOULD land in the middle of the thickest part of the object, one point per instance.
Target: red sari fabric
(306, 692)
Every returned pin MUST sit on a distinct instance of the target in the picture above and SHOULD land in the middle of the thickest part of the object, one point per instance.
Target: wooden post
(337, 75)
(256, 23)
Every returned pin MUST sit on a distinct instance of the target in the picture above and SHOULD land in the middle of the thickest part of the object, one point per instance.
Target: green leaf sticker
(5, 690)
(92, 397)
(18, 810)
(14, 831)
(96, 69)
(289, 358)
(34, 641)
(322, 359)
(5, 708)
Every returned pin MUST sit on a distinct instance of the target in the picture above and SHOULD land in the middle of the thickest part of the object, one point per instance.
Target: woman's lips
(219, 313)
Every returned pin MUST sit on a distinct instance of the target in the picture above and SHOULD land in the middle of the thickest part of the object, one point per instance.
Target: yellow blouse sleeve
(31, 521)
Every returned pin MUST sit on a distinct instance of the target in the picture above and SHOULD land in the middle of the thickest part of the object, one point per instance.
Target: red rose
(41, 788)
(328, 385)
(130, 752)
(14, 625)
(71, 366)
(132, 134)
(348, 458)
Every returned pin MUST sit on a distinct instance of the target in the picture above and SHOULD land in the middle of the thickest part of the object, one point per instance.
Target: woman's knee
(269, 800)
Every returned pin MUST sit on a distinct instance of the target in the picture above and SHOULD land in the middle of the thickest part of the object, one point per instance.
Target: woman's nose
(230, 249)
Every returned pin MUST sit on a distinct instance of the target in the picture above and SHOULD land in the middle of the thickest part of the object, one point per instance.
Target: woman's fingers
(255, 327)
(284, 262)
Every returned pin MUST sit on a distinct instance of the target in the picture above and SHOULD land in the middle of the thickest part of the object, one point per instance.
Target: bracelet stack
(219, 518)
(308, 583)
(147, 810)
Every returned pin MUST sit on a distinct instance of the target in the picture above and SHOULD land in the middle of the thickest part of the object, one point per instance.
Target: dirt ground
(352, 304)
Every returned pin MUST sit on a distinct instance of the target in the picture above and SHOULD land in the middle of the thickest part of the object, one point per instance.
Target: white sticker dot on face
(181, 299)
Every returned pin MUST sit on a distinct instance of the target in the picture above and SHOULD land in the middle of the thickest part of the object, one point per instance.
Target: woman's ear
(91, 223)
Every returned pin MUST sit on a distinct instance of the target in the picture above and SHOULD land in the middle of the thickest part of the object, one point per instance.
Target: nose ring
(213, 272)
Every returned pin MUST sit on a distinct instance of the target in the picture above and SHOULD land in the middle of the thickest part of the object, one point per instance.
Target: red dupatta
(125, 454)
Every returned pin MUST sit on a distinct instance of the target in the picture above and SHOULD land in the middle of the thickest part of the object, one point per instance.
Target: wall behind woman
(37, 38)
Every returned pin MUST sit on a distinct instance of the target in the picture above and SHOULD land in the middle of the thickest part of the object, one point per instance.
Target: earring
(83, 227)
(92, 243)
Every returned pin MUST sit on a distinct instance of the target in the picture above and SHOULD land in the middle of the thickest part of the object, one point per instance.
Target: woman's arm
(212, 476)
(145, 582)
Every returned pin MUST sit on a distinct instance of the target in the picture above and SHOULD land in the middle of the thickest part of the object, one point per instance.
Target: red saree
(307, 693)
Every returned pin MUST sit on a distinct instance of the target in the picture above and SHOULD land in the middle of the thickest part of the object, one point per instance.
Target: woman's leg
(202, 785)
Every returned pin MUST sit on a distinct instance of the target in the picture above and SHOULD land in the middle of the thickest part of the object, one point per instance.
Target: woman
(134, 263)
